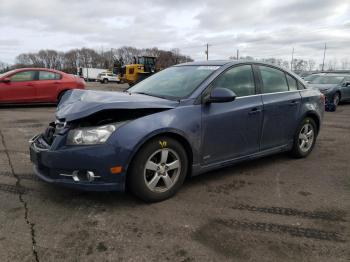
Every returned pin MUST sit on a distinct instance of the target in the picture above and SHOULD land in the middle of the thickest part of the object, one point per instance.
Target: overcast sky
(261, 29)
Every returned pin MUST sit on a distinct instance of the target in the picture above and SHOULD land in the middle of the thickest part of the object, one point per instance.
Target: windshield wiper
(142, 93)
(148, 94)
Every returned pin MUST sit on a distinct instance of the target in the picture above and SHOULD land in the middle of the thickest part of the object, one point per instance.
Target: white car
(107, 77)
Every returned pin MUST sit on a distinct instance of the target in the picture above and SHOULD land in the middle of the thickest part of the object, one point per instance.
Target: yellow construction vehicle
(143, 67)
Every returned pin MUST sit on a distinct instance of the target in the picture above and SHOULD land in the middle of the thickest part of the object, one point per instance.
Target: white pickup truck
(106, 77)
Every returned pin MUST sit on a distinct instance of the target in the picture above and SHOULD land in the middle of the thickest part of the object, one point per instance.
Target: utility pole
(291, 62)
(324, 55)
(207, 51)
(237, 54)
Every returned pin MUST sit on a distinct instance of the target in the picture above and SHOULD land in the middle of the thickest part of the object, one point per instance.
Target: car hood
(76, 104)
(322, 86)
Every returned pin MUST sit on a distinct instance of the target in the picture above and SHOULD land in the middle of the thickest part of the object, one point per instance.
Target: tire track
(282, 229)
(13, 189)
(330, 216)
(21, 176)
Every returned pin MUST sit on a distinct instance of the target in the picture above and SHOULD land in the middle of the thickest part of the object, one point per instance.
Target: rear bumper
(329, 105)
(58, 166)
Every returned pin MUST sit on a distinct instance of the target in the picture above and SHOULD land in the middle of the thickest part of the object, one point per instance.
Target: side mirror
(346, 84)
(6, 80)
(220, 95)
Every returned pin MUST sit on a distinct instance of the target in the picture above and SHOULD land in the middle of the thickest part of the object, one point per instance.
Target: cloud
(9, 42)
(258, 28)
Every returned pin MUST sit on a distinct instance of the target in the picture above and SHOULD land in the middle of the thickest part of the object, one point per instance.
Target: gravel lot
(272, 209)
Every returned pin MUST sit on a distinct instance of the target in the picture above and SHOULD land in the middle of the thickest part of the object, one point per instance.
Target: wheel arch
(61, 92)
(169, 133)
(340, 94)
(314, 117)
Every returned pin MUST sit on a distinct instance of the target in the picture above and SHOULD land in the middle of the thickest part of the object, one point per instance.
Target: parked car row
(335, 87)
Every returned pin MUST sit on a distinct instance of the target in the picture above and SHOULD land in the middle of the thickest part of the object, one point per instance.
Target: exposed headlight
(91, 135)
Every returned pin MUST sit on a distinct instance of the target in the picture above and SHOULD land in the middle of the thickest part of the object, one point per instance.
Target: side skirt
(199, 169)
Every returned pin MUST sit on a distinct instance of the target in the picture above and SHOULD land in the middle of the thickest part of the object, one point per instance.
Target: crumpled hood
(76, 104)
(322, 87)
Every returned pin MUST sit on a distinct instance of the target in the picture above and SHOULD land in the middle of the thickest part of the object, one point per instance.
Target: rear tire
(158, 169)
(304, 138)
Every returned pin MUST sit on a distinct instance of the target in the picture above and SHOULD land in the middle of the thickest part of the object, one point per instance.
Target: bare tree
(71, 61)
(332, 64)
(345, 63)
(300, 65)
(311, 64)
(85, 57)
(4, 67)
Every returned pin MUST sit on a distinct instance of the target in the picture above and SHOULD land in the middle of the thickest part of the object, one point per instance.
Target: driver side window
(239, 79)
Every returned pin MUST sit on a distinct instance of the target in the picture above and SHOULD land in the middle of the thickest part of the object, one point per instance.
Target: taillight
(323, 99)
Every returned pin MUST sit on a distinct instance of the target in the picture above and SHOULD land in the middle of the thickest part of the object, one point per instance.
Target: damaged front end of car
(82, 148)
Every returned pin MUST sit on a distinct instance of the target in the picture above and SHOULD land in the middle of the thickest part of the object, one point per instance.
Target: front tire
(105, 81)
(158, 170)
(304, 138)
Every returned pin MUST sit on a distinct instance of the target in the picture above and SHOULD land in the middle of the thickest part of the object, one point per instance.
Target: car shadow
(102, 200)
(246, 167)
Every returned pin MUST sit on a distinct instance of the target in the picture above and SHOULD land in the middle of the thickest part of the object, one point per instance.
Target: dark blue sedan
(182, 121)
(335, 87)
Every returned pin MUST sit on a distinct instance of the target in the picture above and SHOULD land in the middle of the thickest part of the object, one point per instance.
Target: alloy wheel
(162, 170)
(306, 137)
(336, 99)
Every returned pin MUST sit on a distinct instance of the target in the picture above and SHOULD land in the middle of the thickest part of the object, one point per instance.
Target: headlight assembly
(91, 135)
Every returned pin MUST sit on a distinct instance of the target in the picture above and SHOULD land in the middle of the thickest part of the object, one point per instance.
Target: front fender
(181, 121)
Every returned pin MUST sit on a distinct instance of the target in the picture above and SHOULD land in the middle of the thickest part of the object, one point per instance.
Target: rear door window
(46, 75)
(239, 79)
(23, 76)
(292, 83)
(274, 80)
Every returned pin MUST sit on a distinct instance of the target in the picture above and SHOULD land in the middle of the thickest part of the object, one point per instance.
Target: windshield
(310, 77)
(324, 80)
(175, 82)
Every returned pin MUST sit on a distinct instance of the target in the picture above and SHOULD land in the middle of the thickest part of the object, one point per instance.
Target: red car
(36, 85)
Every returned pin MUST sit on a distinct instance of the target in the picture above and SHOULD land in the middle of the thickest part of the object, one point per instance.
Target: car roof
(333, 74)
(233, 62)
(37, 69)
(208, 63)
(229, 63)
